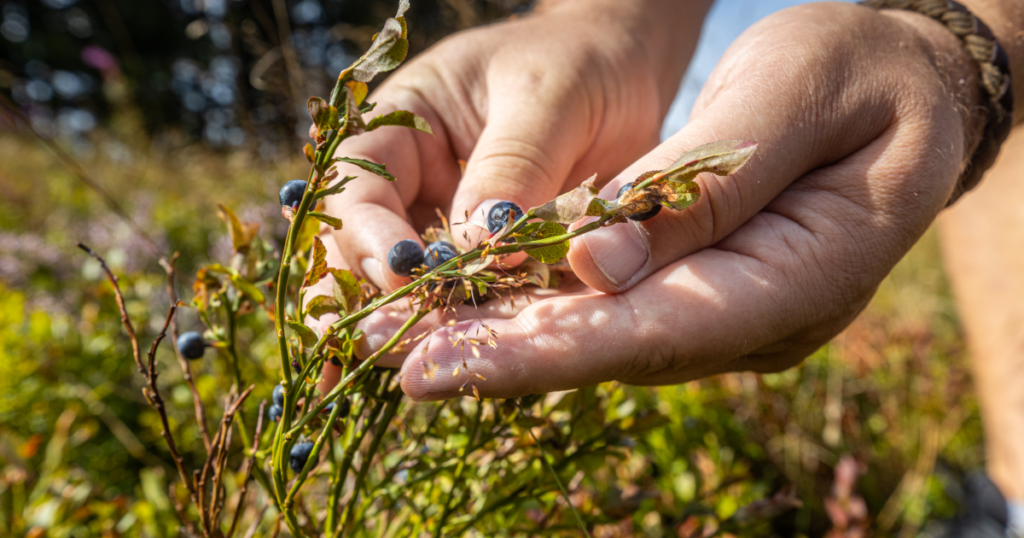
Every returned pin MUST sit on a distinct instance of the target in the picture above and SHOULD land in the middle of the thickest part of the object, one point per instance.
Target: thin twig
(152, 393)
(197, 401)
(250, 462)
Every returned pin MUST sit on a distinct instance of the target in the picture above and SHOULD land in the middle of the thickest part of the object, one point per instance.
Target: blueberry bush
(222, 431)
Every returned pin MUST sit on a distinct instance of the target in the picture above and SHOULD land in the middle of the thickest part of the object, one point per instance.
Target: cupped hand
(533, 106)
(859, 116)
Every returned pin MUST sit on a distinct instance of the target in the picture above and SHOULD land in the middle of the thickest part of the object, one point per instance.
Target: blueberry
(335, 361)
(298, 456)
(497, 217)
(275, 412)
(296, 366)
(291, 193)
(405, 256)
(191, 345)
(279, 395)
(346, 406)
(642, 216)
(438, 253)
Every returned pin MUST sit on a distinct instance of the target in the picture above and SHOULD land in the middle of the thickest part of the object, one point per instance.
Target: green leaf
(346, 289)
(541, 230)
(333, 222)
(369, 166)
(337, 188)
(248, 288)
(571, 206)
(402, 118)
(322, 304)
(305, 334)
(241, 234)
(721, 158)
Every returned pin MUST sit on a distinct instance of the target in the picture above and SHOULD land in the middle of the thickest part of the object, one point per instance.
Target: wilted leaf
(541, 230)
(477, 265)
(241, 234)
(571, 206)
(721, 158)
(318, 268)
(306, 334)
(538, 274)
(333, 222)
(324, 116)
(309, 152)
(248, 288)
(322, 304)
(369, 166)
(204, 286)
(402, 118)
(388, 49)
(346, 289)
(680, 195)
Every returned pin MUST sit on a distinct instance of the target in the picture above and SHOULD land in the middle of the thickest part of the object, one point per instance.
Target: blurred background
(124, 123)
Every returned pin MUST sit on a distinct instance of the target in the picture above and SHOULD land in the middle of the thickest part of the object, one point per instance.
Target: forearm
(668, 30)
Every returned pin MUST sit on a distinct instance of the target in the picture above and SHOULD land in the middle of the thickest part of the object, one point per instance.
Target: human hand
(862, 133)
(534, 105)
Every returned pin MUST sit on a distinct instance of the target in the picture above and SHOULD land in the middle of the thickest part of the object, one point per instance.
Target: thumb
(524, 155)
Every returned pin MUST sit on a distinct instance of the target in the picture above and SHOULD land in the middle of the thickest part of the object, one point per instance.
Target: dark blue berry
(191, 345)
(641, 216)
(298, 456)
(438, 253)
(497, 217)
(279, 395)
(335, 361)
(291, 193)
(346, 406)
(296, 366)
(405, 256)
(275, 412)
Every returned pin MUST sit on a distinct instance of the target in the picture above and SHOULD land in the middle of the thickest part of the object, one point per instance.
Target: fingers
(814, 114)
(772, 292)
(373, 209)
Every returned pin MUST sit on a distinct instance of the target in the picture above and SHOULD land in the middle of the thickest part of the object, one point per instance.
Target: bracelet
(994, 67)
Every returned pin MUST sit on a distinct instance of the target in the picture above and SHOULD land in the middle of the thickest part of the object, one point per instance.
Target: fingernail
(619, 251)
(374, 271)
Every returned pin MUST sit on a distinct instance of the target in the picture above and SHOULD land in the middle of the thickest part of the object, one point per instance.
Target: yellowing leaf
(681, 195)
(318, 268)
(346, 289)
(241, 234)
(309, 152)
(306, 335)
(541, 230)
(571, 206)
(322, 304)
(333, 222)
(358, 90)
(248, 288)
(324, 116)
(402, 118)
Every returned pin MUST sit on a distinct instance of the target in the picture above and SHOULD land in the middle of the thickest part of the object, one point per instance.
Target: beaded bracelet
(994, 67)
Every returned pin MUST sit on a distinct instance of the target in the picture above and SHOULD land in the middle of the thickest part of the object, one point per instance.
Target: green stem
(346, 463)
(363, 367)
(390, 410)
(458, 474)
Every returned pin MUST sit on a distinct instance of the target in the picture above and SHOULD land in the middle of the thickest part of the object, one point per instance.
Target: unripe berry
(291, 193)
(497, 217)
(191, 345)
(438, 253)
(405, 256)
(299, 455)
(641, 216)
